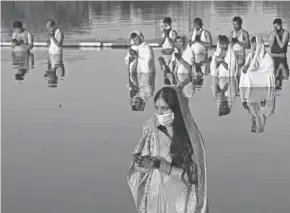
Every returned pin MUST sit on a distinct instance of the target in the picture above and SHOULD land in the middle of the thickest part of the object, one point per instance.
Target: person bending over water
(55, 38)
(240, 40)
(224, 62)
(168, 172)
(258, 70)
(140, 57)
(167, 42)
(279, 40)
(200, 41)
(22, 40)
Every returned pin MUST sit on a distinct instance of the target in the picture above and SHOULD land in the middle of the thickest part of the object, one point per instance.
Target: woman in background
(258, 70)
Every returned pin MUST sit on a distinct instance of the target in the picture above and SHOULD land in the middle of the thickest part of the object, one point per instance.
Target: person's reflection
(260, 104)
(225, 91)
(281, 71)
(22, 62)
(55, 70)
(141, 87)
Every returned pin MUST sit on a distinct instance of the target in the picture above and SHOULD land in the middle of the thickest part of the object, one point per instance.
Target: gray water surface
(108, 20)
(67, 149)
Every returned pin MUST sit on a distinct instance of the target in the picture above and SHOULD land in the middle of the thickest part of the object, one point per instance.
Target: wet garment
(144, 62)
(230, 59)
(260, 72)
(239, 50)
(53, 48)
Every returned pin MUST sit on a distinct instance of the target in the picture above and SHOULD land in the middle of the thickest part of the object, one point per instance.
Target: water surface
(108, 20)
(67, 148)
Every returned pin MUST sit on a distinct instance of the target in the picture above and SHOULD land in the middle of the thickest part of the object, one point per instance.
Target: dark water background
(108, 20)
(67, 149)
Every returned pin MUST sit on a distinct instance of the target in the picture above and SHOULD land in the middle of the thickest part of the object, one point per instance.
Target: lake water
(66, 145)
(67, 148)
(106, 20)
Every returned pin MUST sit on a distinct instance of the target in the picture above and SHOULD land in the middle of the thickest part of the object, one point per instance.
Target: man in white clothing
(167, 42)
(200, 41)
(22, 40)
(240, 40)
(55, 38)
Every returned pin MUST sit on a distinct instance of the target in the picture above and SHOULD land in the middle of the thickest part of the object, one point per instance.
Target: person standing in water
(140, 57)
(167, 43)
(200, 41)
(278, 44)
(240, 40)
(22, 40)
(55, 38)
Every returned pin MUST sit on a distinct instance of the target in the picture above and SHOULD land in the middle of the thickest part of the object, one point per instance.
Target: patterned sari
(155, 192)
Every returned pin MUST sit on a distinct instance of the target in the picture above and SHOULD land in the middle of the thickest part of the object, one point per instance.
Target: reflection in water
(141, 87)
(281, 71)
(84, 20)
(22, 62)
(55, 70)
(225, 91)
(260, 104)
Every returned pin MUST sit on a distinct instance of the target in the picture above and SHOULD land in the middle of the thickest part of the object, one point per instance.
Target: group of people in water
(182, 55)
(168, 171)
(23, 58)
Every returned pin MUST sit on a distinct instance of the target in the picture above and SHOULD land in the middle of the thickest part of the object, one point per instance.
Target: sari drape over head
(261, 67)
(155, 192)
(144, 62)
(230, 59)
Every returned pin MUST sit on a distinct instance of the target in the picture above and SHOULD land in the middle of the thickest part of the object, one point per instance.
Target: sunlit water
(67, 149)
(106, 20)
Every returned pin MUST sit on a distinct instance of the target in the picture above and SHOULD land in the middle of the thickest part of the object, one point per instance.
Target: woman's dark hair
(277, 21)
(167, 20)
(253, 39)
(17, 24)
(238, 19)
(181, 149)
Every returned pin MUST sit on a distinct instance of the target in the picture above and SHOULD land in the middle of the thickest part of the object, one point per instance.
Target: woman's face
(254, 46)
(224, 46)
(161, 107)
(179, 44)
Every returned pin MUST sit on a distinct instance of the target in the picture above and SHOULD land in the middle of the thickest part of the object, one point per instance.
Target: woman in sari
(224, 62)
(140, 57)
(258, 70)
(168, 171)
(260, 103)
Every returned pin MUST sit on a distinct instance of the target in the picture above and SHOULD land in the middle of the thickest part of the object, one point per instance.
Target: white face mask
(167, 27)
(166, 119)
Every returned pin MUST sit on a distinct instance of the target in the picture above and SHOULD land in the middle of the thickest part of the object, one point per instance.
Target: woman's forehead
(161, 103)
